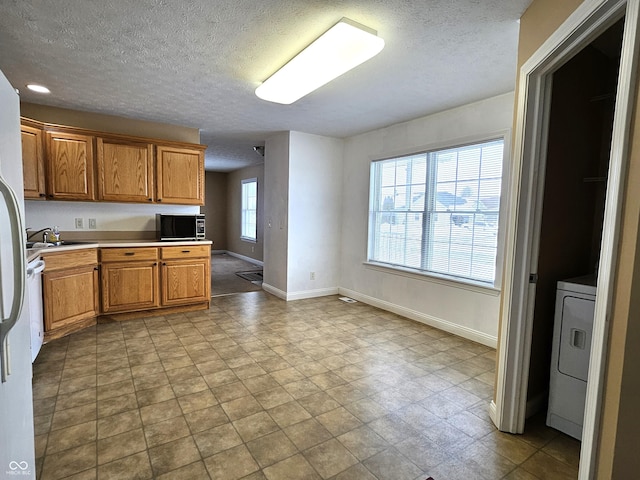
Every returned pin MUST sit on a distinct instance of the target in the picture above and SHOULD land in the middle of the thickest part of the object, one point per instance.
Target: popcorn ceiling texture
(197, 63)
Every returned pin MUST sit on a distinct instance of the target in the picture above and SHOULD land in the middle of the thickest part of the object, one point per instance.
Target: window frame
(243, 210)
(505, 194)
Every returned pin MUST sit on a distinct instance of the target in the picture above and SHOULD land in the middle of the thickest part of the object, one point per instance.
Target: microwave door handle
(19, 270)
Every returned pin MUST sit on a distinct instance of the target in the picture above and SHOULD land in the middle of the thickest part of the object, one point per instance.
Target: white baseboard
(462, 331)
(493, 412)
(218, 252)
(245, 258)
(321, 292)
(274, 291)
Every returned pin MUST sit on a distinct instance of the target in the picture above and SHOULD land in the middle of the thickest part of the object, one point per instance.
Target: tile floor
(260, 388)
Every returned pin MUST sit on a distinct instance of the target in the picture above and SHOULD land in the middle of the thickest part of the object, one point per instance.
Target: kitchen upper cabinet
(70, 165)
(186, 275)
(180, 175)
(125, 171)
(70, 291)
(129, 279)
(33, 162)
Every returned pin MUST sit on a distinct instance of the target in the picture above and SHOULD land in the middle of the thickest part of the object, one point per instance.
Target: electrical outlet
(312, 275)
(253, 249)
(79, 223)
(92, 223)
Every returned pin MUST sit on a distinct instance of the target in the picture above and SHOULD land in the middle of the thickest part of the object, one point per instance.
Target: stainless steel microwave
(180, 227)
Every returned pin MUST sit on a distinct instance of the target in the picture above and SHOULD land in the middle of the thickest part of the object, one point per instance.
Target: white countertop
(33, 253)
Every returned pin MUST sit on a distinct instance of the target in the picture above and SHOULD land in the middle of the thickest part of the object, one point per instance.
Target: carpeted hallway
(224, 280)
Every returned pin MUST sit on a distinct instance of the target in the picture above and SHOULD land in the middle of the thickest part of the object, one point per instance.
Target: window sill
(434, 278)
(248, 240)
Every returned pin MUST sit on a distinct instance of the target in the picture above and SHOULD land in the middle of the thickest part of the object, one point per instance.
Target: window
(438, 211)
(249, 209)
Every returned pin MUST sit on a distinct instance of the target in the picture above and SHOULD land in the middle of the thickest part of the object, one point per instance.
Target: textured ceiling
(197, 63)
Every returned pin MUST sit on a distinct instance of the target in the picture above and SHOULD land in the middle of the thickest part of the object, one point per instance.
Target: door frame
(590, 19)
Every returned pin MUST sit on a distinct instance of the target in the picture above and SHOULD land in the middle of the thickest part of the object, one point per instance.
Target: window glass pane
(438, 211)
(248, 222)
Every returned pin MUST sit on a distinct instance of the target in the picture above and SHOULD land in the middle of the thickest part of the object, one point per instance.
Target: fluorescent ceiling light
(341, 48)
(38, 88)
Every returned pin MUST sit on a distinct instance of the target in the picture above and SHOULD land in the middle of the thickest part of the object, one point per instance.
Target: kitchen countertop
(33, 253)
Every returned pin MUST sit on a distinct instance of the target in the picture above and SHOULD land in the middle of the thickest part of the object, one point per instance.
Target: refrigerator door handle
(19, 271)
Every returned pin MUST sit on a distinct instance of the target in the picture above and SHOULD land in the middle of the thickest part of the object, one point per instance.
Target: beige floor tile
(330, 458)
(134, 466)
(231, 464)
(260, 383)
(69, 462)
(301, 388)
(307, 433)
(120, 423)
(230, 391)
(166, 431)
(293, 468)
(391, 465)
(189, 386)
(76, 399)
(508, 445)
(70, 437)
(114, 405)
(197, 401)
(241, 407)
(363, 442)
(271, 448)
(206, 418)
(564, 448)
(217, 439)
(73, 416)
(338, 421)
(119, 446)
(160, 411)
(545, 466)
(357, 472)
(194, 471)
(173, 455)
(255, 426)
(288, 414)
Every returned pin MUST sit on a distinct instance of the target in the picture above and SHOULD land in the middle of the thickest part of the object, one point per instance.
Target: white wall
(110, 217)
(315, 203)
(276, 205)
(468, 311)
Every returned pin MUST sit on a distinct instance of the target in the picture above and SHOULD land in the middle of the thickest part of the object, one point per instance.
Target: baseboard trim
(493, 412)
(321, 292)
(218, 252)
(245, 258)
(274, 291)
(462, 331)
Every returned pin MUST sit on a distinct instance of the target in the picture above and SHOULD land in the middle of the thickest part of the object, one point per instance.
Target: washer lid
(584, 284)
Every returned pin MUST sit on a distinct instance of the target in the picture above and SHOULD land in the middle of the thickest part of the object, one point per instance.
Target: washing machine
(573, 326)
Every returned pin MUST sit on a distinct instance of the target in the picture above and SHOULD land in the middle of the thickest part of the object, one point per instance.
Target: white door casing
(588, 21)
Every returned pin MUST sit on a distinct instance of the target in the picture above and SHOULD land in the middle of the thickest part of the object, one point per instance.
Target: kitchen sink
(64, 243)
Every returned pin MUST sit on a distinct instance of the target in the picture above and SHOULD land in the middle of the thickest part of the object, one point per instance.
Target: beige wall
(618, 443)
(109, 123)
(234, 205)
(215, 208)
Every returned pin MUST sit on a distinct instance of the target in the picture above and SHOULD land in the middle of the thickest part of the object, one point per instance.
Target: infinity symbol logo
(13, 465)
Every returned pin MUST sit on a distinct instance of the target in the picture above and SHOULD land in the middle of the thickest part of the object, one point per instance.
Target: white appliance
(34, 294)
(571, 350)
(17, 457)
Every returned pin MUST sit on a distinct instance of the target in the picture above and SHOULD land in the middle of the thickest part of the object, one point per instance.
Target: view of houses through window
(249, 209)
(437, 211)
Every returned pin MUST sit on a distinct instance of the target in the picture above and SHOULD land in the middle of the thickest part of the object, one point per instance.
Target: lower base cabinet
(70, 291)
(128, 287)
(185, 282)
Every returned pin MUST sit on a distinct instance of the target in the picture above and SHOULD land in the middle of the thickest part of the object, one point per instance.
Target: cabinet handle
(164, 263)
(129, 254)
(186, 251)
(150, 199)
(42, 195)
(159, 199)
(155, 263)
(95, 268)
(50, 195)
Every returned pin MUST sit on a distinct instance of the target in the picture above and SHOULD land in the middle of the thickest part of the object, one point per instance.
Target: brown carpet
(224, 280)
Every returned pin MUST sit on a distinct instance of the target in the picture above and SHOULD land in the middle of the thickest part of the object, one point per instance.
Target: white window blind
(438, 211)
(249, 209)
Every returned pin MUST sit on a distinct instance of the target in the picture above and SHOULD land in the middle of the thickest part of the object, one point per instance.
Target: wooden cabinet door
(69, 296)
(70, 166)
(185, 281)
(180, 175)
(33, 162)
(125, 171)
(129, 286)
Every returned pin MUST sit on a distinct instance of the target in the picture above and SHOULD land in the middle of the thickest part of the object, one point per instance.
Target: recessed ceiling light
(341, 48)
(38, 88)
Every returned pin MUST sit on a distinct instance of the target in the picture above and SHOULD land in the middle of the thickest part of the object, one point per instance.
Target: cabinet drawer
(185, 251)
(128, 254)
(76, 258)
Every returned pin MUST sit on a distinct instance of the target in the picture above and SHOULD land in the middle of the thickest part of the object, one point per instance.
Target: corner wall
(234, 213)
(215, 209)
(465, 310)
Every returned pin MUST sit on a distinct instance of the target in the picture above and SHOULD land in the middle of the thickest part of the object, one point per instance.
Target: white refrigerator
(17, 457)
